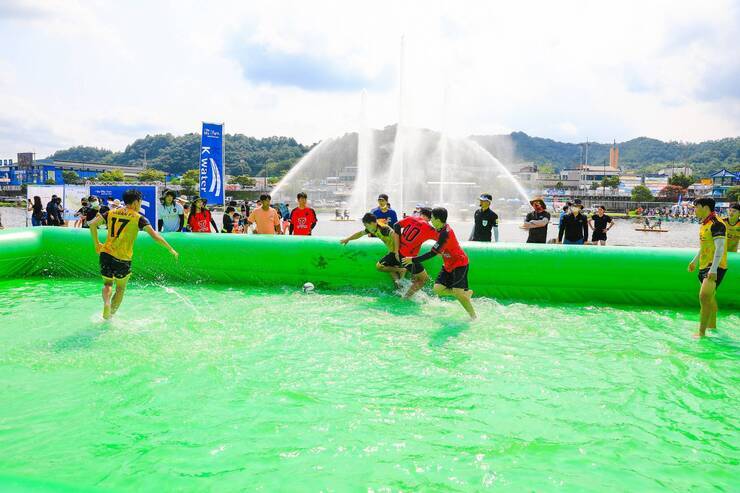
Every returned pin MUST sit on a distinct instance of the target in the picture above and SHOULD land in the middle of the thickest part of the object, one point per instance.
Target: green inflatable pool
(647, 277)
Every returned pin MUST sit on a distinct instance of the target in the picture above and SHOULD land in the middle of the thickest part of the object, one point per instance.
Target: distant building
(29, 171)
(676, 170)
(722, 180)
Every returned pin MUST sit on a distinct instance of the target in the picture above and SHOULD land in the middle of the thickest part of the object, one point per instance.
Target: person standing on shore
(302, 218)
(598, 223)
(573, 228)
(200, 219)
(485, 221)
(384, 213)
(536, 221)
(171, 217)
(37, 212)
(265, 218)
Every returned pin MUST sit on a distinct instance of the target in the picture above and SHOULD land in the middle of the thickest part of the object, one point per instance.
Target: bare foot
(698, 336)
(468, 293)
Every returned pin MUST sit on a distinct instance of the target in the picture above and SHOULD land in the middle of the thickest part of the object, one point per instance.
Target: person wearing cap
(384, 213)
(200, 219)
(265, 218)
(536, 221)
(733, 227)
(170, 214)
(573, 229)
(485, 221)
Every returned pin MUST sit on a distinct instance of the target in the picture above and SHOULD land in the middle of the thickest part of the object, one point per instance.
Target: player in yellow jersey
(712, 259)
(116, 253)
(733, 227)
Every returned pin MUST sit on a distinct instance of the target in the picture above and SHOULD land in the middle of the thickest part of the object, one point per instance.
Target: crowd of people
(403, 238)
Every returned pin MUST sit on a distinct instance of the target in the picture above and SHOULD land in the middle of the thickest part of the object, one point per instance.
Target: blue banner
(211, 165)
(148, 198)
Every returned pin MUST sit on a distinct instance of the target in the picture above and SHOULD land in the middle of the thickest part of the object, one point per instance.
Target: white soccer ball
(308, 287)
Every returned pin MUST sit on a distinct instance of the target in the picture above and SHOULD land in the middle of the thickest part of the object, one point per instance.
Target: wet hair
(440, 213)
(130, 196)
(425, 211)
(705, 201)
(265, 196)
(369, 218)
(230, 209)
(301, 195)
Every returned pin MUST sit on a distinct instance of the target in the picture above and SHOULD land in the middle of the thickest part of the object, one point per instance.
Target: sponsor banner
(211, 166)
(73, 195)
(108, 193)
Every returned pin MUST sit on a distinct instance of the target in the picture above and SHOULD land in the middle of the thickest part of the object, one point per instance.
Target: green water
(196, 388)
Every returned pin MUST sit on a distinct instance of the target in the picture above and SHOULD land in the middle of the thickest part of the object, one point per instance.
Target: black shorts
(458, 278)
(390, 261)
(720, 275)
(113, 268)
(598, 236)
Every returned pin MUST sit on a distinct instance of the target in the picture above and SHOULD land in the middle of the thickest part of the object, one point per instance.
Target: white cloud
(103, 73)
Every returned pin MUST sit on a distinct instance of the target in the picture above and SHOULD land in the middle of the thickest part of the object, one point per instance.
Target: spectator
(171, 216)
(536, 222)
(238, 224)
(302, 219)
(573, 228)
(81, 214)
(37, 212)
(598, 223)
(485, 221)
(265, 218)
(386, 216)
(200, 220)
(93, 208)
(227, 225)
(53, 214)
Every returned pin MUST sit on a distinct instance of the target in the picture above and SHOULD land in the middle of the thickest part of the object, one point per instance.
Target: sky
(103, 73)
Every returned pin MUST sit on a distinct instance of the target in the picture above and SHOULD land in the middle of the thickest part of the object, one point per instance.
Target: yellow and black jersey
(733, 234)
(123, 226)
(711, 228)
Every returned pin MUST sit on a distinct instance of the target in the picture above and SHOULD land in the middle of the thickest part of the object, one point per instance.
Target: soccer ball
(308, 287)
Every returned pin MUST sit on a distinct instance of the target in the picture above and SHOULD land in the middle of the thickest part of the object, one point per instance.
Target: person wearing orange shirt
(265, 219)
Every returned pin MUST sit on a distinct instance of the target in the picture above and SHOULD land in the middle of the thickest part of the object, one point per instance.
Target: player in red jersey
(408, 235)
(302, 218)
(453, 278)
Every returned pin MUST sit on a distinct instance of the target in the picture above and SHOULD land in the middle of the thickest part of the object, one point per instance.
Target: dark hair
(425, 211)
(37, 201)
(171, 193)
(265, 196)
(301, 195)
(440, 213)
(237, 214)
(735, 206)
(369, 218)
(131, 195)
(233, 203)
(230, 209)
(601, 207)
(705, 201)
(383, 196)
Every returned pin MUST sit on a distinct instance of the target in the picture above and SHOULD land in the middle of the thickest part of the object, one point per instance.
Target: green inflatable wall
(646, 277)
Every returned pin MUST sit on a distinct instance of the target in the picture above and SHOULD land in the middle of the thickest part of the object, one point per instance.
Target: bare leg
(462, 295)
(107, 290)
(118, 297)
(715, 309)
(706, 295)
(395, 272)
(419, 280)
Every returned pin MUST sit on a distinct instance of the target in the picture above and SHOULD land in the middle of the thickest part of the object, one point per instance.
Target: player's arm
(354, 237)
(397, 238)
(315, 219)
(94, 224)
(159, 239)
